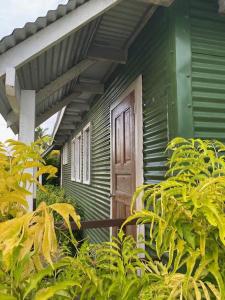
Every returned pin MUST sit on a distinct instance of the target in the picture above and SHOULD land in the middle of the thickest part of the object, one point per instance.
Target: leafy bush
(186, 220)
(28, 241)
(54, 194)
(187, 217)
(52, 159)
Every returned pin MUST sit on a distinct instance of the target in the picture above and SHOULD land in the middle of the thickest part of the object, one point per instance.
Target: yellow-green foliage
(187, 220)
(28, 233)
(186, 244)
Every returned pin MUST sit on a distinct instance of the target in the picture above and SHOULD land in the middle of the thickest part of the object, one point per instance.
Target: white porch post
(27, 127)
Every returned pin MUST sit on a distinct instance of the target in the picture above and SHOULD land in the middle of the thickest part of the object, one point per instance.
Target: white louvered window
(87, 154)
(65, 154)
(77, 152)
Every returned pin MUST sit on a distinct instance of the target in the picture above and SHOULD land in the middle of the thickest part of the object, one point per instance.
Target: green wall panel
(208, 69)
(148, 56)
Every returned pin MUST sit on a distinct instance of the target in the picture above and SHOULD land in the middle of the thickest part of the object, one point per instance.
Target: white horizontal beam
(53, 33)
(107, 54)
(221, 6)
(12, 89)
(60, 104)
(61, 81)
(166, 3)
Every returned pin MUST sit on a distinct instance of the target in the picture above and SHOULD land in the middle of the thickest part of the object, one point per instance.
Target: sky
(14, 14)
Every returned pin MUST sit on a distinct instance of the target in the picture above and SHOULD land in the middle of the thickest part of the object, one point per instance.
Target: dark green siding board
(148, 56)
(208, 69)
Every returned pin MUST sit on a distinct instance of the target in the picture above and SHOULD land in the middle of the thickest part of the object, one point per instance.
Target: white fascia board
(55, 32)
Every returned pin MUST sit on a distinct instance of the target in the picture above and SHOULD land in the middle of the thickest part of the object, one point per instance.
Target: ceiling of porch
(73, 71)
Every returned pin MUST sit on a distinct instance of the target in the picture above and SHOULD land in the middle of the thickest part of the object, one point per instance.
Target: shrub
(187, 217)
(52, 159)
(28, 241)
(54, 194)
(186, 220)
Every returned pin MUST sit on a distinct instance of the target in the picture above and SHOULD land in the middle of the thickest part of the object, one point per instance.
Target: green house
(126, 76)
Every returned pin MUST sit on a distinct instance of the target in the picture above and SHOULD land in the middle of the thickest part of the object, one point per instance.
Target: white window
(76, 158)
(86, 154)
(65, 154)
(73, 160)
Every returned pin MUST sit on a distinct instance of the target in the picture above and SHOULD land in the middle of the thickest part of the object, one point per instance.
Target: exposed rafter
(58, 106)
(108, 54)
(62, 80)
(92, 88)
(71, 118)
(148, 14)
(68, 126)
(77, 107)
(54, 33)
(158, 2)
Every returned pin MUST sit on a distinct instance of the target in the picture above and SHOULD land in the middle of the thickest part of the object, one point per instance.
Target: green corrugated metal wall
(208, 69)
(182, 59)
(148, 56)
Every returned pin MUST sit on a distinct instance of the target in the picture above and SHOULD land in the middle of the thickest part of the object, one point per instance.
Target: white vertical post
(27, 127)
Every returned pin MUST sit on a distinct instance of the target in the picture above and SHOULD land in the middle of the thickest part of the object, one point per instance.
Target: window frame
(75, 159)
(65, 154)
(73, 169)
(85, 151)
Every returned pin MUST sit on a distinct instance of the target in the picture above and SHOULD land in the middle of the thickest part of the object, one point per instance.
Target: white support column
(27, 127)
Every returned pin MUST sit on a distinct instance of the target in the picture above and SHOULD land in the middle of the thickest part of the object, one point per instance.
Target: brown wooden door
(123, 159)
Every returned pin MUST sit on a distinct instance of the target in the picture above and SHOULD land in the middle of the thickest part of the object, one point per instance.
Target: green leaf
(49, 292)
(7, 297)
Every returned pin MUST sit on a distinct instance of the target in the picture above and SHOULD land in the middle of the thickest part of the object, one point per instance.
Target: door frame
(135, 87)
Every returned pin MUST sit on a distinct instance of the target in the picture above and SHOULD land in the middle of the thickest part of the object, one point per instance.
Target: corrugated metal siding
(148, 56)
(208, 69)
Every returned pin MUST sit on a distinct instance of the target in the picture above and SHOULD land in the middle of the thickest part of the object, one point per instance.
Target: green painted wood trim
(181, 110)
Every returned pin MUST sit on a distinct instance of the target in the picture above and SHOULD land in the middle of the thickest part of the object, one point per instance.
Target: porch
(61, 62)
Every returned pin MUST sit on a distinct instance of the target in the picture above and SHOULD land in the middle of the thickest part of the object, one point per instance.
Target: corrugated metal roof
(30, 28)
(114, 29)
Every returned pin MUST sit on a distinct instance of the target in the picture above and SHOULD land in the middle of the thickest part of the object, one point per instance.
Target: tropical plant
(42, 134)
(109, 270)
(52, 159)
(187, 222)
(184, 256)
(28, 241)
(54, 194)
